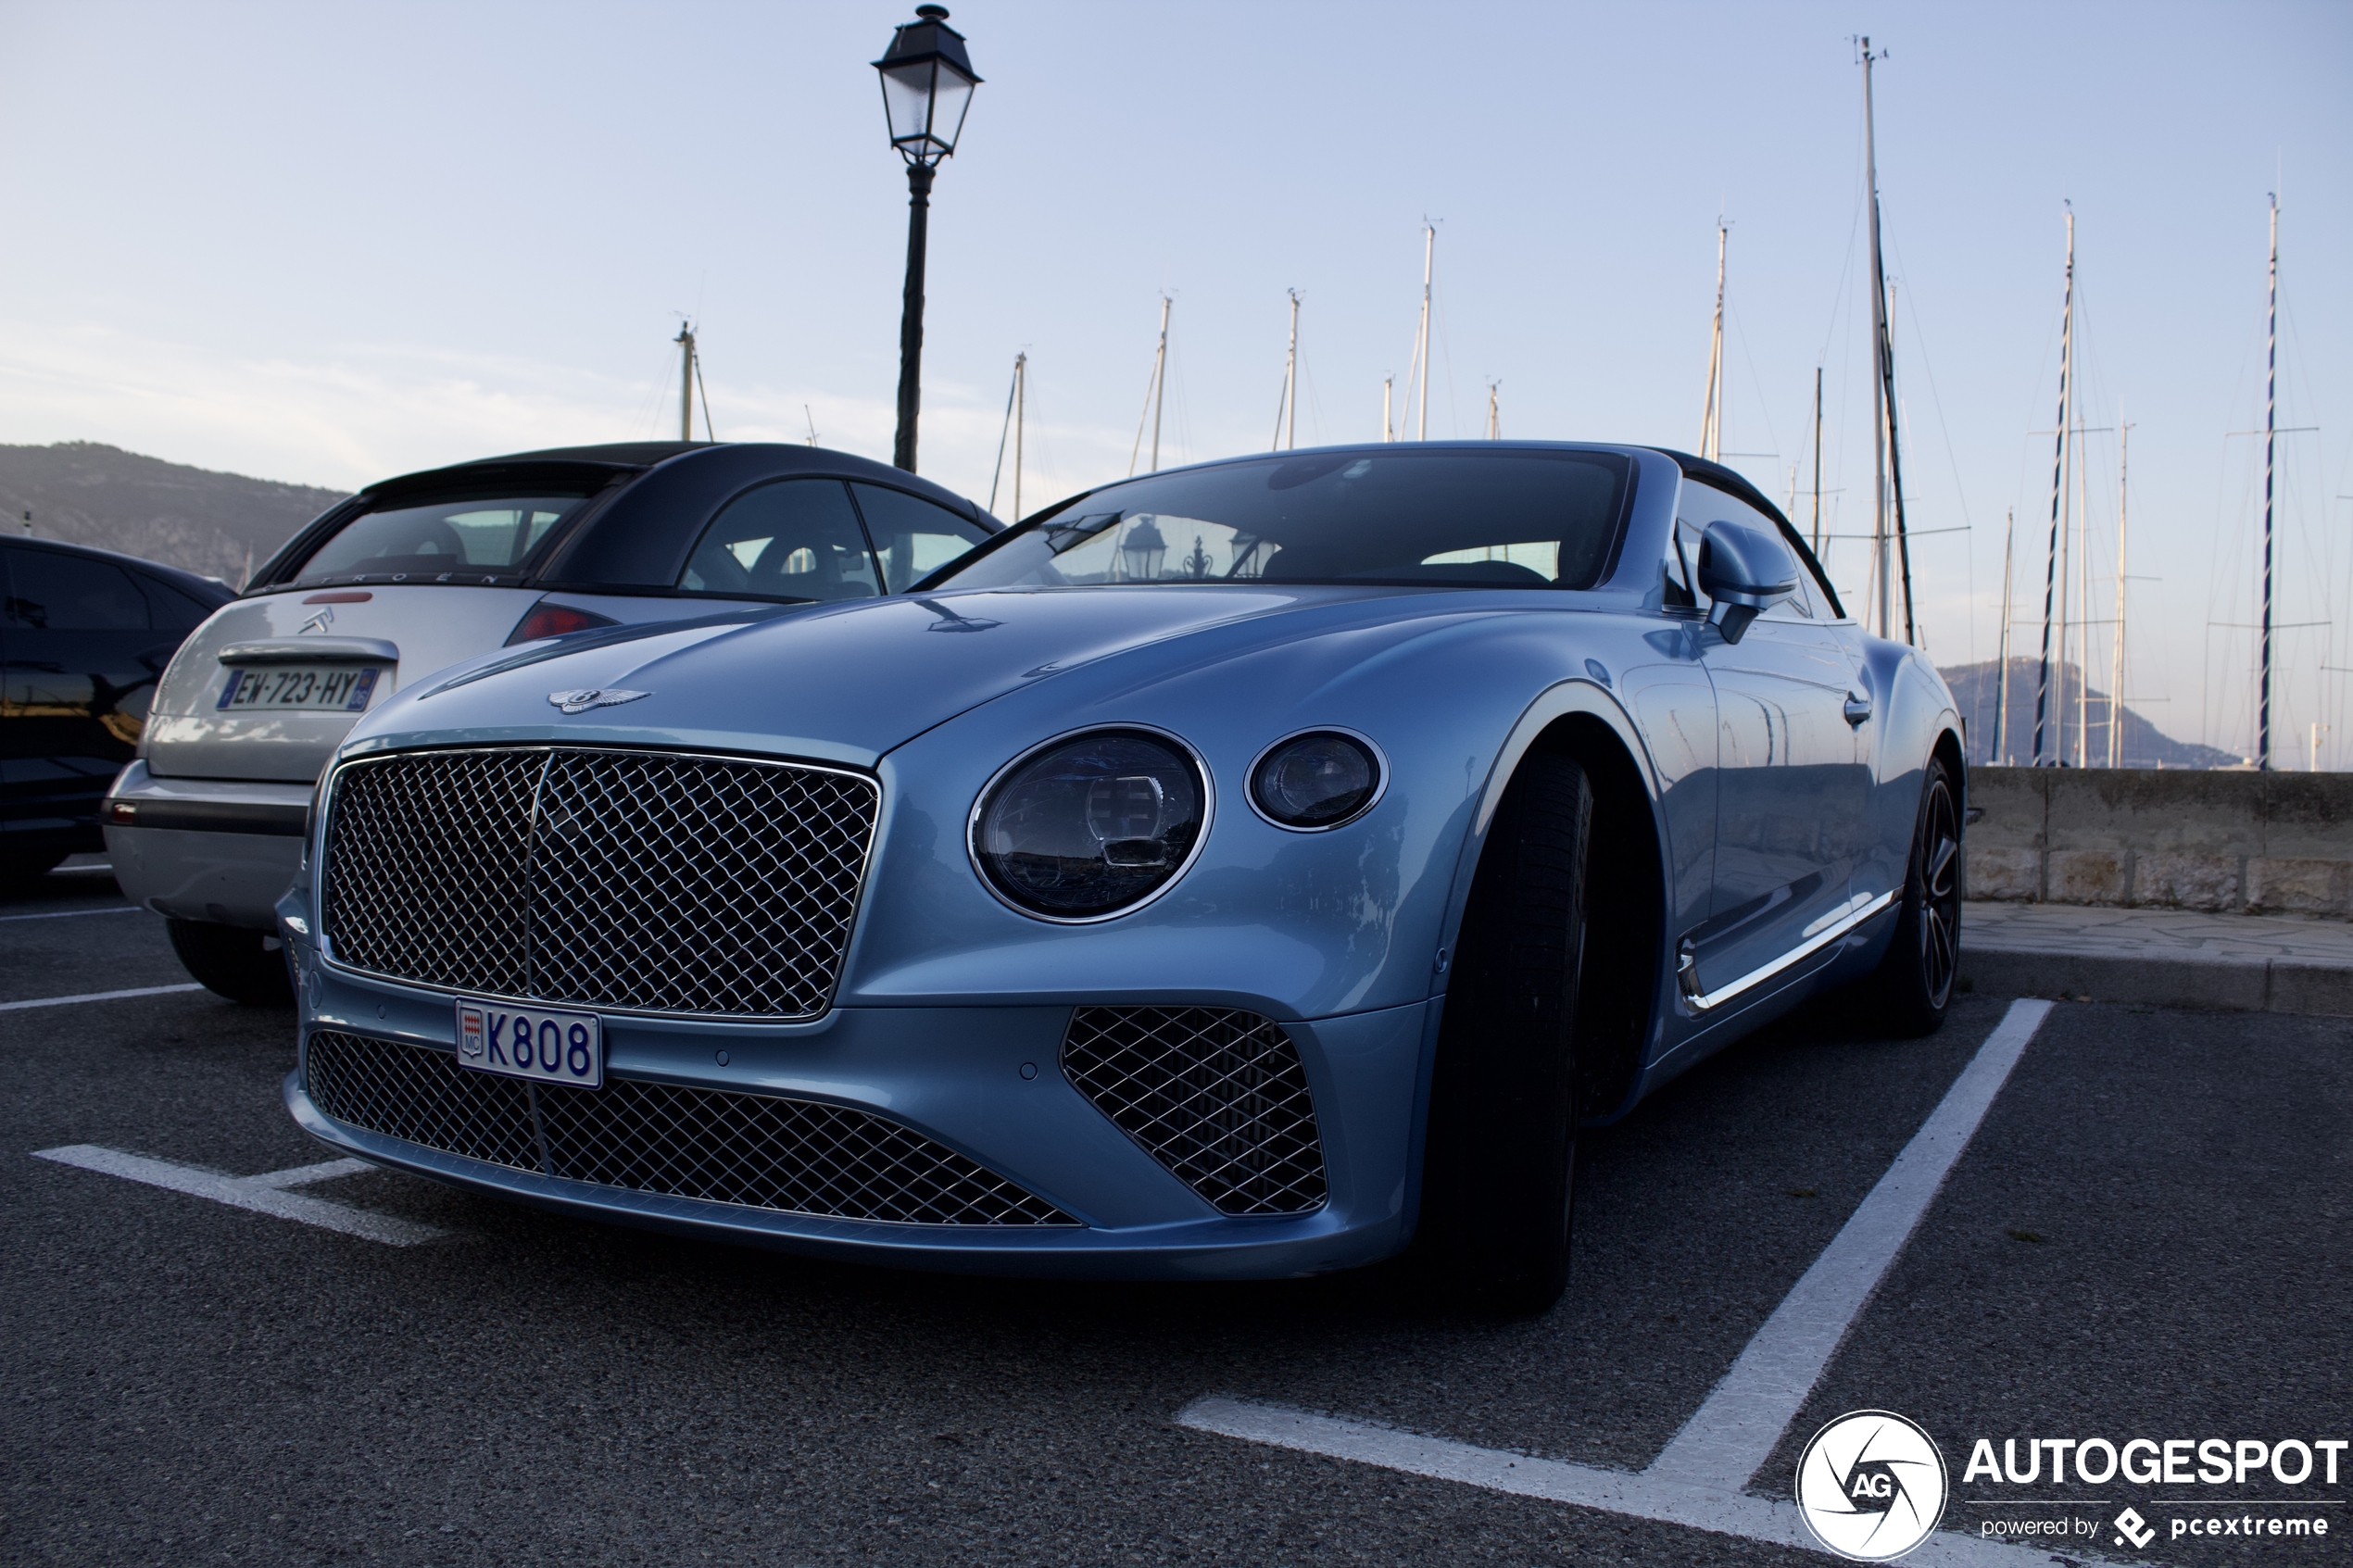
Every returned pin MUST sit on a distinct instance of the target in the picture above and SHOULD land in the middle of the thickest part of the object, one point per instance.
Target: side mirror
(1743, 570)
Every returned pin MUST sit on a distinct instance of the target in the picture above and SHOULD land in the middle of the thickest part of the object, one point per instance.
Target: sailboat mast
(1160, 377)
(2116, 670)
(1878, 338)
(1388, 387)
(2270, 433)
(2082, 546)
(1818, 462)
(1021, 413)
(2002, 643)
(1895, 469)
(686, 341)
(1004, 433)
(1711, 424)
(2058, 490)
(1421, 338)
(1289, 434)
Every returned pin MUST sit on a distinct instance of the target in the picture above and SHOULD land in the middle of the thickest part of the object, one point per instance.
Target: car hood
(845, 683)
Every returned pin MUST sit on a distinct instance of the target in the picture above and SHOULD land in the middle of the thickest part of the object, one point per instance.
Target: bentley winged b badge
(596, 697)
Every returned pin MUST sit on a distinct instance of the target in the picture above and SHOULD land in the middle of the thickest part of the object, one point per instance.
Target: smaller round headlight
(1091, 826)
(1318, 780)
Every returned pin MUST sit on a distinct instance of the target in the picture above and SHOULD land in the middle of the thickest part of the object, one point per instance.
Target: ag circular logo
(1872, 1486)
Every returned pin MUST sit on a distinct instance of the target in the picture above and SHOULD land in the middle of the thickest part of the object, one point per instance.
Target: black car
(86, 634)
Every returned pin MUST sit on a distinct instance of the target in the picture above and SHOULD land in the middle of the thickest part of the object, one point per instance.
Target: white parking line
(97, 997)
(1699, 1479)
(1722, 1512)
(264, 1194)
(1735, 1431)
(68, 914)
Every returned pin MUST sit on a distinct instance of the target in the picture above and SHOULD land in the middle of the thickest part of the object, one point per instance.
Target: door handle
(1858, 708)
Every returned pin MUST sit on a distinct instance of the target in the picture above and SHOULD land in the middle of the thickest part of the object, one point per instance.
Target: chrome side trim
(1817, 935)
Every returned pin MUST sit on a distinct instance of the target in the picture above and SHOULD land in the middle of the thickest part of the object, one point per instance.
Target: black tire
(233, 963)
(1910, 989)
(1498, 1171)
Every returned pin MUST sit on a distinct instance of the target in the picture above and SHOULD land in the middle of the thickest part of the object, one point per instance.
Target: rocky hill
(216, 523)
(1974, 687)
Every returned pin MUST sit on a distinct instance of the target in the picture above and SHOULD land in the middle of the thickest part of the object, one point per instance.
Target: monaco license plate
(329, 688)
(529, 1042)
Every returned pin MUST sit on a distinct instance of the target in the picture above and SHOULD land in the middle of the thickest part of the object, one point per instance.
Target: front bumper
(208, 850)
(954, 1075)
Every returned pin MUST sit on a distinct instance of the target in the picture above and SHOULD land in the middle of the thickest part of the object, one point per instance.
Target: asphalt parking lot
(2147, 1237)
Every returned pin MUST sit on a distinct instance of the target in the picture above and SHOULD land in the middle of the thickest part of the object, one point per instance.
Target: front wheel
(1913, 981)
(245, 966)
(1498, 1166)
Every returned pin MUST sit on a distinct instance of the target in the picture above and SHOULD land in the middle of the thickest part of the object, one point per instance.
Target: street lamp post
(928, 84)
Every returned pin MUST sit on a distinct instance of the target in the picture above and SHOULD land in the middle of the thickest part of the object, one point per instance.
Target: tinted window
(914, 537)
(1410, 515)
(476, 534)
(49, 591)
(170, 610)
(1682, 566)
(794, 540)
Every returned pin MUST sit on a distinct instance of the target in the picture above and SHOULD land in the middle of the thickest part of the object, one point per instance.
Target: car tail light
(547, 619)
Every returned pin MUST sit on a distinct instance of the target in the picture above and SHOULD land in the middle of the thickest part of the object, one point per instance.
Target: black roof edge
(554, 462)
(178, 575)
(1725, 478)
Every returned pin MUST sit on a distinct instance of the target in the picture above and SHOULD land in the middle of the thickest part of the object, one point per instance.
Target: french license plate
(330, 688)
(527, 1042)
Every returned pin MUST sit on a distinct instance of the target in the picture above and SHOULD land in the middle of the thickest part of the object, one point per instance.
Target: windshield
(467, 539)
(1506, 519)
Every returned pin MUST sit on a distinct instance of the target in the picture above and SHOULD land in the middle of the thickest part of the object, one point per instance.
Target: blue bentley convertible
(1245, 871)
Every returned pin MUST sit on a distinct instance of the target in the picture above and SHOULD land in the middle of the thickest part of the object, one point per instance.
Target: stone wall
(2242, 841)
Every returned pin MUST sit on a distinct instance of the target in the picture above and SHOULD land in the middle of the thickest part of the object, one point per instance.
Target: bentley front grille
(643, 881)
(761, 1151)
(1216, 1095)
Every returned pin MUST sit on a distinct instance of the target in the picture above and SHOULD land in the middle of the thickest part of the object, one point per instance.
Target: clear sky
(330, 241)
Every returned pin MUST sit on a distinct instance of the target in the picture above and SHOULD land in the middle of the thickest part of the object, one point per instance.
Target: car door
(82, 654)
(1791, 789)
(1668, 691)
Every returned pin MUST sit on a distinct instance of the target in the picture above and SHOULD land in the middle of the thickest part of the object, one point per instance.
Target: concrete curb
(2206, 982)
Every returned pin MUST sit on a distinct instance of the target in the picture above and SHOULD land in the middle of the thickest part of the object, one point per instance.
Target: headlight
(1315, 781)
(1091, 826)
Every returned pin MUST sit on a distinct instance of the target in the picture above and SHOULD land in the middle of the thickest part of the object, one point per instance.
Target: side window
(170, 610)
(49, 591)
(1703, 505)
(1681, 566)
(797, 539)
(914, 537)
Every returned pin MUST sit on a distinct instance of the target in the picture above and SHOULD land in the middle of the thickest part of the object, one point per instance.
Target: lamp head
(928, 85)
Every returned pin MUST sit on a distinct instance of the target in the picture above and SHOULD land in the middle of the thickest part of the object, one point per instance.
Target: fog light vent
(1216, 1095)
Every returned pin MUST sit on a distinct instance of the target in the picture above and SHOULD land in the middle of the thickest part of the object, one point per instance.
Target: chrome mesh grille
(619, 879)
(1216, 1095)
(762, 1151)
